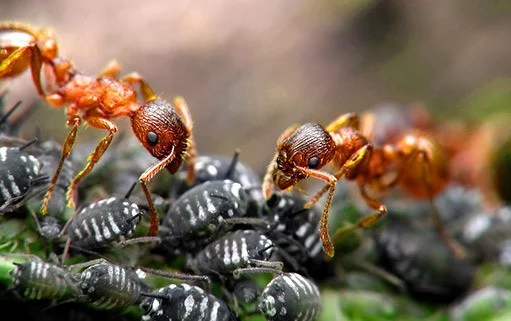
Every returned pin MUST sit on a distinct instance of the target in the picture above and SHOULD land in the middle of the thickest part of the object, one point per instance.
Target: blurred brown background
(248, 69)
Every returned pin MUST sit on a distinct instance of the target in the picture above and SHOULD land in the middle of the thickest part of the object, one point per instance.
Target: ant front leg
(66, 150)
(328, 246)
(95, 156)
(9, 65)
(146, 178)
(182, 109)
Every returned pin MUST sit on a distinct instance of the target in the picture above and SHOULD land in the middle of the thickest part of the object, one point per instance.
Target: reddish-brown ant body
(165, 130)
(416, 161)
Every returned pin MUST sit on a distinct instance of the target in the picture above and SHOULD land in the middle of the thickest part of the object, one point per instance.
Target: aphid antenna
(128, 194)
(232, 165)
(33, 141)
(10, 112)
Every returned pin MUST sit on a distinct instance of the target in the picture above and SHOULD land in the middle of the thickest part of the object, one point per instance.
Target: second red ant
(419, 165)
(165, 130)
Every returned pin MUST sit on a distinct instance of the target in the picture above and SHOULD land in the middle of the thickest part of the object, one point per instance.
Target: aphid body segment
(103, 222)
(109, 286)
(19, 175)
(234, 250)
(40, 280)
(200, 211)
(290, 297)
(184, 302)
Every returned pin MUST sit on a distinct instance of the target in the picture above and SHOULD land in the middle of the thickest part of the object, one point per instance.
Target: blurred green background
(249, 69)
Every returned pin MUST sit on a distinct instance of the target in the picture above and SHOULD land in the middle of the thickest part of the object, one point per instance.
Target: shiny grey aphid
(108, 286)
(416, 255)
(301, 225)
(199, 213)
(184, 302)
(40, 280)
(234, 250)
(103, 222)
(20, 178)
(290, 297)
(219, 167)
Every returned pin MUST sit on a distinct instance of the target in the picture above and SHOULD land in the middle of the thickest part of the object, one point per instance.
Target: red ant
(418, 163)
(165, 130)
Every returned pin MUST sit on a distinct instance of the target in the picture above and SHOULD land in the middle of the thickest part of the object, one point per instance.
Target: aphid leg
(345, 120)
(376, 270)
(182, 109)
(179, 276)
(138, 240)
(29, 52)
(277, 265)
(144, 179)
(66, 150)
(455, 247)
(135, 78)
(268, 184)
(254, 270)
(111, 70)
(95, 156)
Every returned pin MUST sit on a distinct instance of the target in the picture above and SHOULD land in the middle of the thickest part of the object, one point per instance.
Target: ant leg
(349, 169)
(268, 184)
(345, 120)
(24, 53)
(144, 179)
(328, 246)
(95, 156)
(455, 247)
(366, 221)
(66, 150)
(111, 70)
(136, 78)
(182, 109)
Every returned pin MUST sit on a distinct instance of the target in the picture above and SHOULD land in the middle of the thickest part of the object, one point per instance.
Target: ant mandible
(164, 130)
(303, 150)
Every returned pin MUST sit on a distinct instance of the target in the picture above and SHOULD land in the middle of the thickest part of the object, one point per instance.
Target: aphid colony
(237, 246)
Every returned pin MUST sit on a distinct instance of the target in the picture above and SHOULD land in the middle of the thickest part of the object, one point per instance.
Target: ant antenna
(9, 113)
(28, 144)
(127, 196)
(232, 165)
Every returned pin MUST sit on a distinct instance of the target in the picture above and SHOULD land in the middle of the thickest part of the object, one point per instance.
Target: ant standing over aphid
(165, 130)
(302, 151)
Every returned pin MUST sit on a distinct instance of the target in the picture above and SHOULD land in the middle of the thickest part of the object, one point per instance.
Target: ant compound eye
(152, 138)
(313, 162)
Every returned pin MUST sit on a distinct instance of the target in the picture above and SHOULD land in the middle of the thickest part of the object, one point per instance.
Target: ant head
(160, 129)
(310, 146)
